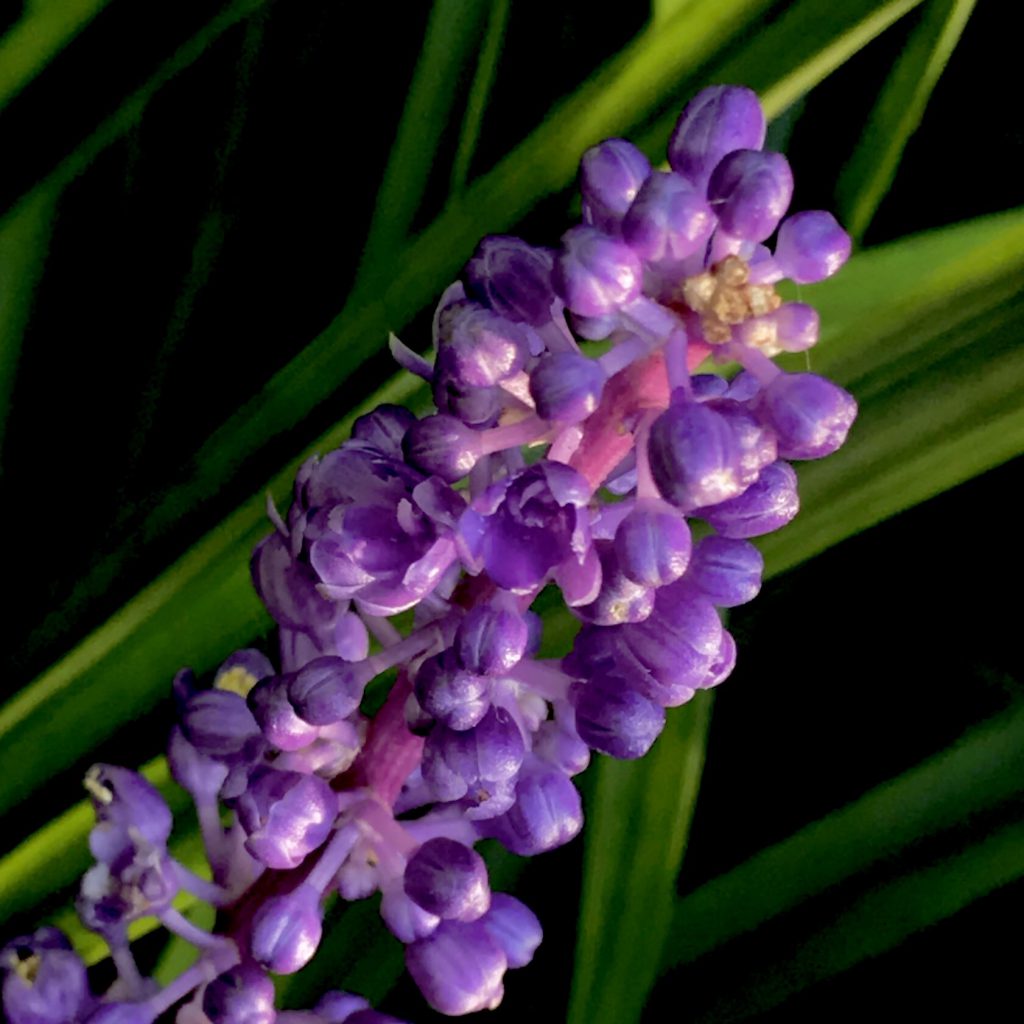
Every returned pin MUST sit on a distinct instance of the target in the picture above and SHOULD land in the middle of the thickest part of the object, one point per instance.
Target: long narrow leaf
(24, 240)
(43, 30)
(866, 178)
(792, 54)
(453, 32)
(983, 770)
(875, 923)
(479, 91)
(637, 824)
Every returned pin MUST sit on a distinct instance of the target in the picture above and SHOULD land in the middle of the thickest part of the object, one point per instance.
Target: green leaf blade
(865, 180)
(638, 820)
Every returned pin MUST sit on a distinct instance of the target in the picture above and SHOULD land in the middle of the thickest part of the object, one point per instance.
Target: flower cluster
(623, 479)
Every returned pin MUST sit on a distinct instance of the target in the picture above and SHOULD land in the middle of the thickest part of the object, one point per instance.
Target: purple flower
(285, 815)
(459, 968)
(542, 522)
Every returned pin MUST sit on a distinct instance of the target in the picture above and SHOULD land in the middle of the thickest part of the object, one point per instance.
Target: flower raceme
(544, 465)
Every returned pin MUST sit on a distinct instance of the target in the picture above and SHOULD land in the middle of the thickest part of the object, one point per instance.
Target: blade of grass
(479, 91)
(984, 769)
(43, 30)
(790, 55)
(875, 923)
(130, 111)
(24, 241)
(637, 824)
(453, 32)
(898, 110)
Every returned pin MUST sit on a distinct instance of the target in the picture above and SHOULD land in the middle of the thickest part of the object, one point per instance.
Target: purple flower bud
(218, 723)
(405, 918)
(44, 982)
(458, 969)
(755, 440)
(561, 747)
(450, 693)
(750, 192)
(547, 813)
(793, 327)
(384, 428)
(286, 815)
(615, 719)
(566, 387)
(455, 763)
(337, 1007)
(725, 661)
(542, 521)
(513, 278)
(124, 802)
(202, 776)
(477, 347)
(695, 456)
(242, 670)
(717, 121)
(726, 571)
(444, 446)
(767, 505)
(276, 716)
(611, 174)
(708, 385)
(286, 931)
(810, 414)
(328, 689)
(243, 995)
(449, 879)
(595, 274)
(514, 927)
(620, 599)
(668, 221)
(476, 407)
(811, 246)
(652, 544)
(491, 640)
(287, 588)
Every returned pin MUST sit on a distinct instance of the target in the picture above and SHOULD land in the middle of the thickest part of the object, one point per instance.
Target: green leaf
(43, 30)
(898, 111)
(130, 111)
(790, 55)
(451, 41)
(479, 92)
(984, 769)
(24, 240)
(937, 378)
(876, 922)
(197, 612)
(637, 822)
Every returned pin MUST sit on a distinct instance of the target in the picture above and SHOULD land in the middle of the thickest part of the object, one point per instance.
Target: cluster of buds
(419, 546)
